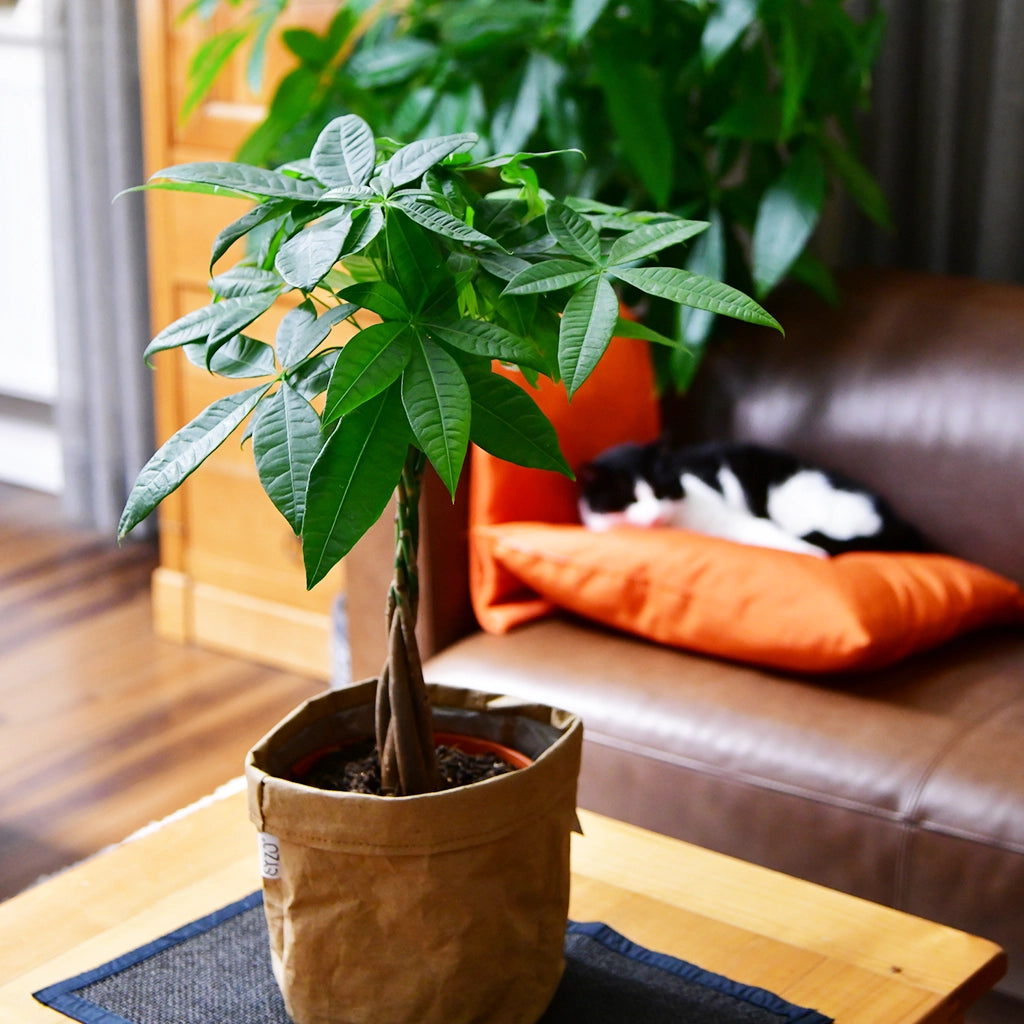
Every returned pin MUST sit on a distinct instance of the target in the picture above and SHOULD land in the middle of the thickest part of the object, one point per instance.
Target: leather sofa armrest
(445, 612)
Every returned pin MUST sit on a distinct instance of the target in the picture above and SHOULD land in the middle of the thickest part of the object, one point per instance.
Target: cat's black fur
(741, 491)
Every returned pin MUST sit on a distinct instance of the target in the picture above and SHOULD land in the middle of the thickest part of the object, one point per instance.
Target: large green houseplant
(410, 284)
(742, 113)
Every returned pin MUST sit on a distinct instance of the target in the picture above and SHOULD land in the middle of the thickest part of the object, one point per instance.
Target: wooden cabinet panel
(231, 109)
(193, 221)
(231, 570)
(239, 541)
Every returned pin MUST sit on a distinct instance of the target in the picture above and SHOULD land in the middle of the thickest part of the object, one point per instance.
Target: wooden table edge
(137, 891)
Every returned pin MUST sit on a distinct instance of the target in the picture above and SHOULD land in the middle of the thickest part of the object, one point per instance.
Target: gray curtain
(946, 139)
(105, 403)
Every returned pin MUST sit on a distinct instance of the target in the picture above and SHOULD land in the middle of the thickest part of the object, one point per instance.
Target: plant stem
(405, 736)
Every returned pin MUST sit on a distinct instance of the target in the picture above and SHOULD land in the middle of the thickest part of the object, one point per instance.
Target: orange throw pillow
(774, 608)
(617, 403)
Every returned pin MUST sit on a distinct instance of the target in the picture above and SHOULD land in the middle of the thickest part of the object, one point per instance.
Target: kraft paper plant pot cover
(441, 908)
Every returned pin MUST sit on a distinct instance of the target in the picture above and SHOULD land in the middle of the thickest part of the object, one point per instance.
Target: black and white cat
(741, 492)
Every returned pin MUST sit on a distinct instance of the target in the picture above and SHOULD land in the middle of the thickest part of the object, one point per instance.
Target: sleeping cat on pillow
(741, 492)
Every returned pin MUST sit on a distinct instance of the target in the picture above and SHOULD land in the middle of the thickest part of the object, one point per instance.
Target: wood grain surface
(852, 960)
(105, 727)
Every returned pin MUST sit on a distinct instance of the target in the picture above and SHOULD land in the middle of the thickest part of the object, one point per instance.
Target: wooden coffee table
(850, 959)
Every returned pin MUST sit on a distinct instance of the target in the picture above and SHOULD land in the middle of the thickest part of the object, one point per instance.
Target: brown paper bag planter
(444, 908)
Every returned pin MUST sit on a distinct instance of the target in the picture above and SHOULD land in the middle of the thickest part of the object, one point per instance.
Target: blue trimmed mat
(217, 971)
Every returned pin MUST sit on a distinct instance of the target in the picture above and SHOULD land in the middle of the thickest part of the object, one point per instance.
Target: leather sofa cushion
(901, 785)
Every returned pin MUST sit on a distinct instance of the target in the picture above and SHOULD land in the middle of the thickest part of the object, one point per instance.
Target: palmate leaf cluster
(741, 113)
(407, 284)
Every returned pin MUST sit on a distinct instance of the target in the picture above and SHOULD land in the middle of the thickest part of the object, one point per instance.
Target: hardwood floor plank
(105, 727)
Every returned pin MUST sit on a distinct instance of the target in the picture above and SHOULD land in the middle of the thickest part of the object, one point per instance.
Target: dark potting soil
(356, 769)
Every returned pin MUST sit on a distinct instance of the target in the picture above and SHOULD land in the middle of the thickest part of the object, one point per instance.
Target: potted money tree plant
(415, 268)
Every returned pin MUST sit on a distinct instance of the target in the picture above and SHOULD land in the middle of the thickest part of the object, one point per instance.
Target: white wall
(29, 444)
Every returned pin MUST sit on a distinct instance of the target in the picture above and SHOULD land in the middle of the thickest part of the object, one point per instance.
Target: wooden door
(230, 573)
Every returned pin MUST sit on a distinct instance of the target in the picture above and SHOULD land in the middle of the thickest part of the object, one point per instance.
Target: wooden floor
(103, 726)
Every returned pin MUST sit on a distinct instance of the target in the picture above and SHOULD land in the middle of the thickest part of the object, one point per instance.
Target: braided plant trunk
(405, 735)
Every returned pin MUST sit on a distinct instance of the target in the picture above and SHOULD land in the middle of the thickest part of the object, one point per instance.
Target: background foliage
(738, 112)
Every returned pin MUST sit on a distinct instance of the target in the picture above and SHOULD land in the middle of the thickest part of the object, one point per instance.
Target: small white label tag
(270, 856)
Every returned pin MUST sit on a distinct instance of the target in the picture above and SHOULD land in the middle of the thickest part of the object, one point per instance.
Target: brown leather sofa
(903, 785)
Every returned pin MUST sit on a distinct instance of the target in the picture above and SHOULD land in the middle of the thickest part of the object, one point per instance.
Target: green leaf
(811, 271)
(368, 364)
(389, 63)
(508, 424)
(345, 152)
(418, 268)
(213, 324)
(574, 233)
(301, 330)
(413, 110)
(586, 329)
(752, 118)
(413, 161)
(247, 222)
(285, 443)
(728, 21)
(517, 117)
(797, 62)
(184, 452)
(306, 258)
(498, 217)
(633, 93)
(698, 291)
(352, 481)
(297, 94)
(349, 194)
(520, 313)
(460, 107)
(240, 180)
(311, 377)
(206, 65)
(379, 297)
(267, 15)
(436, 399)
(634, 329)
(582, 16)
(708, 258)
(204, 8)
(245, 280)
(515, 172)
(786, 218)
(548, 276)
(242, 356)
(478, 28)
(644, 241)
(307, 46)
(442, 223)
(501, 264)
(481, 338)
(864, 189)
(367, 224)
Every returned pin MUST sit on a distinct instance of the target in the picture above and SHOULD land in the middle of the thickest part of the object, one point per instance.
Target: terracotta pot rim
(478, 744)
(465, 743)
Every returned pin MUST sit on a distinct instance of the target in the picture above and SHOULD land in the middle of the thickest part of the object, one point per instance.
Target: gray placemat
(217, 971)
